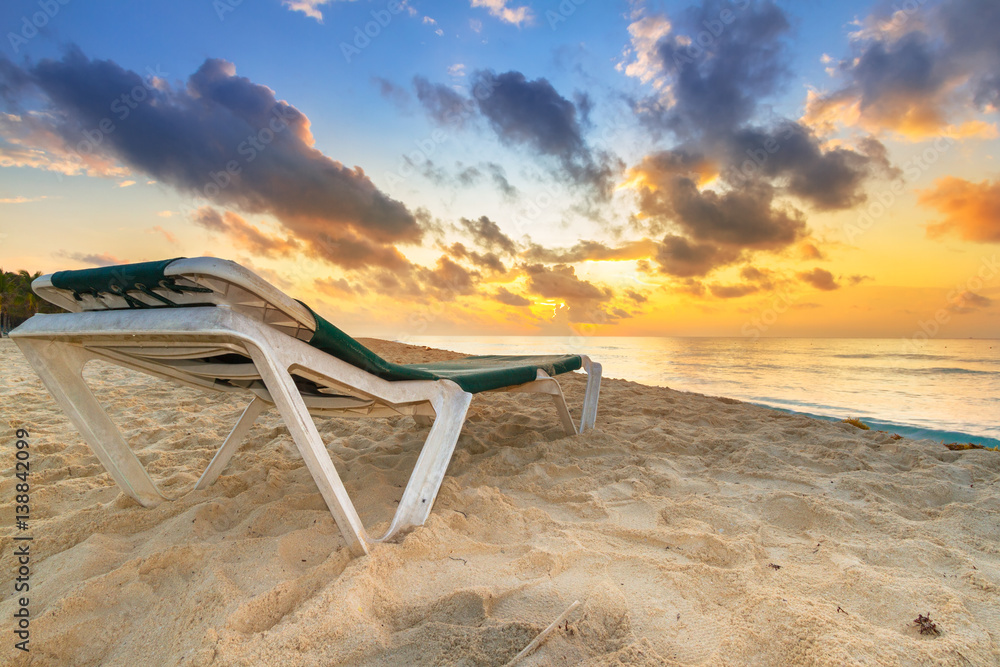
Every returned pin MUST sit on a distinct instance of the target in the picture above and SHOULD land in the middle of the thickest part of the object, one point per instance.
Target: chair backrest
(208, 281)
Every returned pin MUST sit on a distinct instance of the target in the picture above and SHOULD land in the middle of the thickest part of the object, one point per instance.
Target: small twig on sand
(541, 637)
(461, 559)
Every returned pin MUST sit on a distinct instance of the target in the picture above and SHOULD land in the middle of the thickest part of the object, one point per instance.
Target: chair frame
(58, 347)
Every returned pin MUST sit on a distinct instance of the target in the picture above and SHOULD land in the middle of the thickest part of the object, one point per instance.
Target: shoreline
(906, 430)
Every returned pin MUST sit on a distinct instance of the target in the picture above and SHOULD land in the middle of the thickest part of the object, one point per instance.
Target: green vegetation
(17, 301)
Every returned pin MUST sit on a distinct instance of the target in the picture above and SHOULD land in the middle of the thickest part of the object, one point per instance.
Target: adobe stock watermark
(121, 108)
(761, 154)
(989, 270)
(562, 13)
(249, 148)
(901, 14)
(363, 35)
(30, 25)
(714, 28)
(223, 7)
(781, 302)
(912, 169)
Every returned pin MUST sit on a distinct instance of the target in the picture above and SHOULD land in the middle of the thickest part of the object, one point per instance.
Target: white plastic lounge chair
(211, 323)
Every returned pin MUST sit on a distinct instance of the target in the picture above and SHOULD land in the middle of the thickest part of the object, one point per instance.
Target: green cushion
(111, 279)
(472, 374)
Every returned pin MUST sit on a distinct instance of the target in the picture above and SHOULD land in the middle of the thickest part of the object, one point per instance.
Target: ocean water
(943, 389)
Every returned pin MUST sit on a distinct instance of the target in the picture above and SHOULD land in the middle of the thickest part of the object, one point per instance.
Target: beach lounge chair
(212, 324)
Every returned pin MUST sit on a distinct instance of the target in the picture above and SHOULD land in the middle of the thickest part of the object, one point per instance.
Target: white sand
(664, 523)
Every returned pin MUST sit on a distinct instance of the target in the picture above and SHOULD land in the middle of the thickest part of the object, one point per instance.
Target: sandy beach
(693, 530)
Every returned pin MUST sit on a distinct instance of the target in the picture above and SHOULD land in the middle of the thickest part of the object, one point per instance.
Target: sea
(947, 390)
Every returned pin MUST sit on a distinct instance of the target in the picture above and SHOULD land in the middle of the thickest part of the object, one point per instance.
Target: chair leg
(593, 393)
(60, 366)
(450, 404)
(232, 444)
(300, 424)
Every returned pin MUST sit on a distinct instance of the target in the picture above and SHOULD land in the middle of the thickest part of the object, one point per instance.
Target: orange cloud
(244, 235)
(912, 116)
(971, 210)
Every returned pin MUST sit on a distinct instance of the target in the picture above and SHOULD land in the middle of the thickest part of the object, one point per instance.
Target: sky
(518, 167)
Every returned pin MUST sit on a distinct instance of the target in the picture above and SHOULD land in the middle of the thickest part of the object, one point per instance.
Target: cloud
(91, 259)
(468, 176)
(561, 282)
(821, 279)
(505, 296)
(507, 14)
(715, 87)
(678, 256)
(449, 279)
(591, 251)
(125, 184)
(533, 114)
(442, 103)
(22, 200)
(971, 210)
(918, 73)
(396, 94)
(529, 114)
(310, 8)
(969, 302)
(809, 252)
(242, 234)
(157, 229)
(636, 296)
(487, 234)
(225, 139)
(789, 153)
(731, 184)
(732, 291)
(487, 261)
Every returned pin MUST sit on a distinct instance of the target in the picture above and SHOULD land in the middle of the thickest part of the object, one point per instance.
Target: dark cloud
(828, 179)
(487, 260)
(499, 177)
(466, 175)
(228, 140)
(591, 251)
(487, 234)
(443, 103)
(448, 279)
(732, 291)
(636, 296)
(396, 94)
(678, 256)
(717, 87)
(754, 275)
(561, 282)
(969, 302)
(525, 113)
(532, 113)
(505, 296)
(821, 279)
